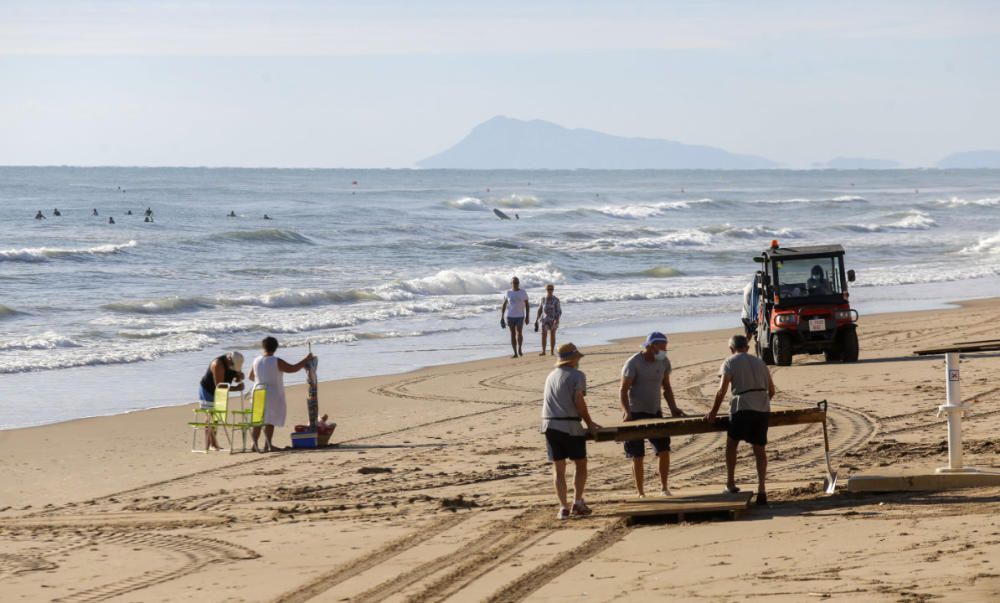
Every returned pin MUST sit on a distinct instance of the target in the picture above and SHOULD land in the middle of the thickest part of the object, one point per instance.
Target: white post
(954, 409)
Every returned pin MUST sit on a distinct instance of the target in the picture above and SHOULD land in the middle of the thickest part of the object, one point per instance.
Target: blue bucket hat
(655, 337)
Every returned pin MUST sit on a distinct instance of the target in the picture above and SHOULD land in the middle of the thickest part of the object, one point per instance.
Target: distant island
(857, 163)
(506, 143)
(971, 159)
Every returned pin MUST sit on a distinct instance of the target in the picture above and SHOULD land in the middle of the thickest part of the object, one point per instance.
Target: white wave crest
(41, 359)
(49, 340)
(749, 232)
(959, 202)
(45, 254)
(166, 305)
(990, 245)
(468, 204)
(519, 201)
(466, 282)
(684, 238)
(911, 220)
(290, 298)
(848, 199)
(648, 210)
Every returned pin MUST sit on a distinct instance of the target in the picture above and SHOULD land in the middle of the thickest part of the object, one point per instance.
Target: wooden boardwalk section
(680, 508)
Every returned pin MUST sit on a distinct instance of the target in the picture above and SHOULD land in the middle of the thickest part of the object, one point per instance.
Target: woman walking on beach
(268, 370)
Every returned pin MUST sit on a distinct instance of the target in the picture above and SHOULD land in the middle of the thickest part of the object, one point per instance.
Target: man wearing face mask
(644, 377)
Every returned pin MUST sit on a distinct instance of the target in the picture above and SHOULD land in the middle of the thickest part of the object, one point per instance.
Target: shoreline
(703, 323)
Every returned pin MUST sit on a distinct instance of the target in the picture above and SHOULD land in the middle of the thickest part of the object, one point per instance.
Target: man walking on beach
(516, 309)
(549, 312)
(749, 409)
(563, 408)
(644, 376)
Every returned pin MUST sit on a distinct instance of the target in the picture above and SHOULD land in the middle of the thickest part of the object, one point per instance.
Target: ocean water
(383, 271)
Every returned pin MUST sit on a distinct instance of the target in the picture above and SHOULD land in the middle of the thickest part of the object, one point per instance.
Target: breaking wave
(910, 220)
(959, 202)
(519, 201)
(989, 245)
(648, 210)
(468, 204)
(45, 254)
(661, 272)
(48, 340)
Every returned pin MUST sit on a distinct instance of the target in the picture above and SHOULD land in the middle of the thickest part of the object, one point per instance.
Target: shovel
(831, 475)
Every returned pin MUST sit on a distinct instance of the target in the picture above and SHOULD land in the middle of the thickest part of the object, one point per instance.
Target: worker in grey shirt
(644, 377)
(562, 410)
(749, 409)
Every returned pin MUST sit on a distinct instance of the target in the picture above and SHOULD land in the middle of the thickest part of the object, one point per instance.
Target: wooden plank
(681, 505)
(652, 428)
(960, 348)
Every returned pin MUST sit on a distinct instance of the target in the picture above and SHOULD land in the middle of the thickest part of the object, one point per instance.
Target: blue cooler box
(306, 439)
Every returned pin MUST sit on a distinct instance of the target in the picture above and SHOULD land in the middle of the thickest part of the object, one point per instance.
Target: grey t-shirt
(749, 383)
(560, 395)
(647, 383)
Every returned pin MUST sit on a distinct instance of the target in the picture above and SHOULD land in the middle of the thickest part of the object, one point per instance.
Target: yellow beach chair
(246, 419)
(212, 418)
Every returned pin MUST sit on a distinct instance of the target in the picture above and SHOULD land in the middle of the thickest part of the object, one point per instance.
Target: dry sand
(461, 508)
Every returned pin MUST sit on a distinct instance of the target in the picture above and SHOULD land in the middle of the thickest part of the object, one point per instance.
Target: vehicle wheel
(832, 355)
(849, 346)
(782, 349)
(764, 353)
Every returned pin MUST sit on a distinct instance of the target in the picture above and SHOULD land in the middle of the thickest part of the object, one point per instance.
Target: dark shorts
(636, 449)
(515, 322)
(563, 446)
(548, 324)
(206, 398)
(749, 426)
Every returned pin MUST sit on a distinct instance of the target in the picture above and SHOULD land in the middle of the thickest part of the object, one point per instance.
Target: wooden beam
(961, 348)
(657, 428)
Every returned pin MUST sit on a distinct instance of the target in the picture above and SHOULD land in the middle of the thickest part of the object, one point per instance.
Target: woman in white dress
(268, 370)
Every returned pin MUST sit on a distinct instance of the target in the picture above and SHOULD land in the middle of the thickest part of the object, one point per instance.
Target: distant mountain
(971, 159)
(505, 143)
(858, 163)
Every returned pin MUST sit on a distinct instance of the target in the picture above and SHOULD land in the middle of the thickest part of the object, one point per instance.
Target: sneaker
(665, 492)
(731, 490)
(761, 499)
(563, 513)
(580, 509)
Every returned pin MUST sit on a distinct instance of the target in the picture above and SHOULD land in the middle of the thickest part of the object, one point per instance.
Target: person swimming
(111, 220)
(55, 212)
(39, 215)
(95, 212)
(232, 214)
(267, 217)
(128, 213)
(149, 211)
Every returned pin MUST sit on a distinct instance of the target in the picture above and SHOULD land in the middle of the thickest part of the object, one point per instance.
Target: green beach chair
(212, 418)
(246, 419)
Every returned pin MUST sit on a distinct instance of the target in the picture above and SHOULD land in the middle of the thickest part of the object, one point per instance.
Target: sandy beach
(438, 489)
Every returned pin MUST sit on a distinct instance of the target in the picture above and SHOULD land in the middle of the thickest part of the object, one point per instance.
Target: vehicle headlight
(786, 319)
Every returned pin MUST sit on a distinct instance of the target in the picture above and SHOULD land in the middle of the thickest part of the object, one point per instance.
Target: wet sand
(438, 490)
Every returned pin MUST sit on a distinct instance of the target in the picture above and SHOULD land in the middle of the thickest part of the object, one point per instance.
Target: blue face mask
(661, 355)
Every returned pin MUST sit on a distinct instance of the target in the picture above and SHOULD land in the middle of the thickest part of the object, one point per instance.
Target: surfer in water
(128, 213)
(95, 211)
(232, 214)
(267, 217)
(39, 215)
(56, 212)
(111, 220)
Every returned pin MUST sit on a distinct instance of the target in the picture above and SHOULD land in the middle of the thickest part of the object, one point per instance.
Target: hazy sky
(383, 84)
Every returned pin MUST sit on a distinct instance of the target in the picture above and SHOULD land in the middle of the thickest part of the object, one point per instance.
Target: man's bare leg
(664, 458)
(513, 338)
(731, 445)
(579, 478)
(520, 340)
(559, 478)
(637, 473)
(760, 456)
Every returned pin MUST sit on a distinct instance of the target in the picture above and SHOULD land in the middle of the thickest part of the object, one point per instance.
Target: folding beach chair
(246, 419)
(212, 418)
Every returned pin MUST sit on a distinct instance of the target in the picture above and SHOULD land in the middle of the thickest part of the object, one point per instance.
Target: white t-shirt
(515, 303)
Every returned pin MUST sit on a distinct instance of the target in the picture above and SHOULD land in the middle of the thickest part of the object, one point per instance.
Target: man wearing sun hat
(644, 376)
(562, 410)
